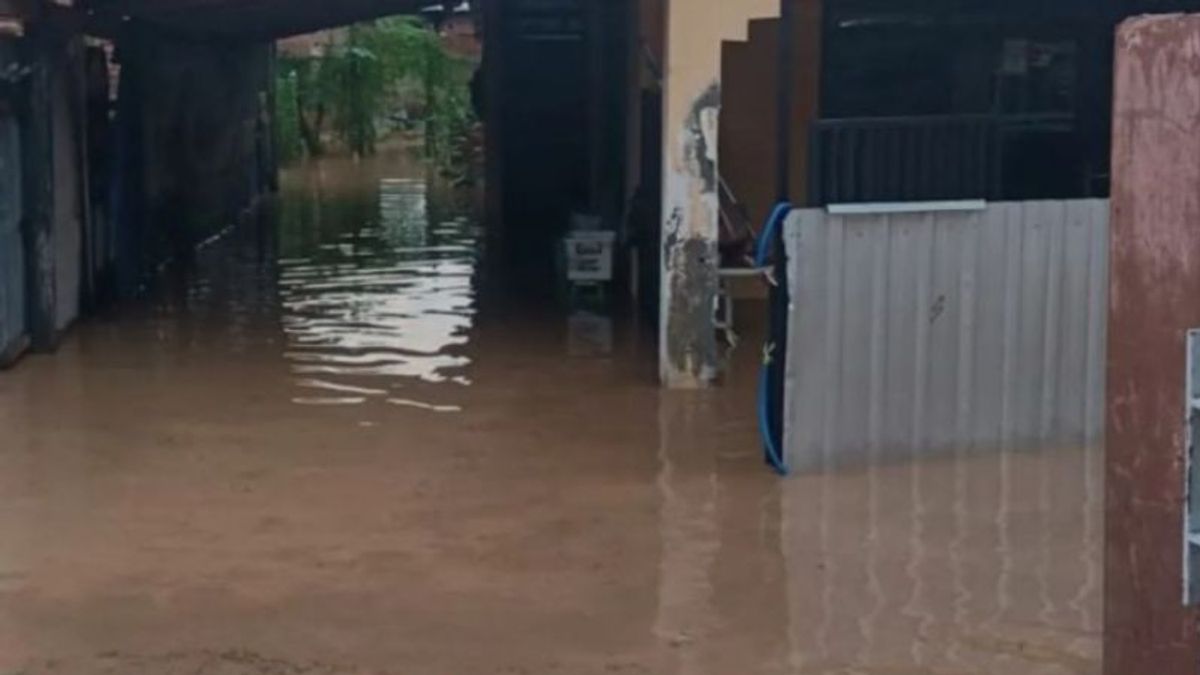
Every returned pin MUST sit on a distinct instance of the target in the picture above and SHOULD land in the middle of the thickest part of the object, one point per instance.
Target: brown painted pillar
(1154, 301)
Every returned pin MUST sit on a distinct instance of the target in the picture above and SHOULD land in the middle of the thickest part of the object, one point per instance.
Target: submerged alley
(677, 337)
(329, 448)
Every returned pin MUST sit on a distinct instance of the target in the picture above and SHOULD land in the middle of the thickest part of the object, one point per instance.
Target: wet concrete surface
(334, 448)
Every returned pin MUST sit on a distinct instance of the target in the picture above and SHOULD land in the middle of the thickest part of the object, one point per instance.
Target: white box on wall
(589, 255)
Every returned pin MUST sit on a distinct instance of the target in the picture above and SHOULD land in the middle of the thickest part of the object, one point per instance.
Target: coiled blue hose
(762, 255)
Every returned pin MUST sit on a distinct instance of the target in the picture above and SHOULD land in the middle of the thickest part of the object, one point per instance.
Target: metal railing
(904, 159)
(884, 159)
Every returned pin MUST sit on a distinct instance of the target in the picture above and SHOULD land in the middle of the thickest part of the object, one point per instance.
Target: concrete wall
(912, 333)
(1154, 302)
(695, 30)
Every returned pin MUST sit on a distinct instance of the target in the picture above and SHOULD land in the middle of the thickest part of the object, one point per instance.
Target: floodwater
(338, 446)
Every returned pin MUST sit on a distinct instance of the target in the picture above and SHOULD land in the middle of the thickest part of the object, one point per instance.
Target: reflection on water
(987, 562)
(376, 291)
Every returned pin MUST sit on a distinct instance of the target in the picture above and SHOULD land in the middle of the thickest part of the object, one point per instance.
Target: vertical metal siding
(928, 331)
(68, 195)
(12, 262)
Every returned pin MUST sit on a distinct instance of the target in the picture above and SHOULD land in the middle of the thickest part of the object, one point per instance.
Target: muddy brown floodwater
(336, 446)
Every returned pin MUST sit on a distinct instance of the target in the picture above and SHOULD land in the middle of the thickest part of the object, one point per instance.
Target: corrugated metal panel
(919, 332)
(68, 201)
(12, 261)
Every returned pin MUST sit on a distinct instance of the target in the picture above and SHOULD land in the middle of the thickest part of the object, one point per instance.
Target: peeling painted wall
(692, 70)
(690, 257)
(1155, 299)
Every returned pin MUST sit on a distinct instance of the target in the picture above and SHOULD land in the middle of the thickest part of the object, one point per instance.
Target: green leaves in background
(388, 75)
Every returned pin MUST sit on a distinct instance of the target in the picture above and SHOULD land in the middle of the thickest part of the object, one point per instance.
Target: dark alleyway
(335, 446)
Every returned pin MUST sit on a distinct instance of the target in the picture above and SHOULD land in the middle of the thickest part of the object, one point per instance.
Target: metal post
(784, 98)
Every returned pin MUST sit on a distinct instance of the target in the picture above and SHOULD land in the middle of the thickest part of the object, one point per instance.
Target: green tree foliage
(287, 118)
(382, 70)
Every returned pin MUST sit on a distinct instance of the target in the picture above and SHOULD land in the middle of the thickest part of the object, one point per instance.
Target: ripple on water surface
(382, 305)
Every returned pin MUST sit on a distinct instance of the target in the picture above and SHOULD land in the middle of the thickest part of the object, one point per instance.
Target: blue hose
(774, 457)
(762, 254)
(762, 248)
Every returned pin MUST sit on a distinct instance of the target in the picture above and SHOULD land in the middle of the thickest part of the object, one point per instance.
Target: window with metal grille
(1191, 517)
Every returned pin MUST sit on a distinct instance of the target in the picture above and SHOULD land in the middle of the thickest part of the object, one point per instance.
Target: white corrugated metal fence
(922, 331)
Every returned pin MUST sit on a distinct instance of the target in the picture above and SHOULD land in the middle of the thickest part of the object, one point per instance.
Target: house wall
(1154, 290)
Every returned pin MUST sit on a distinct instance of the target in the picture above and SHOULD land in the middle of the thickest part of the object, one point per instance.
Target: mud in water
(337, 446)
